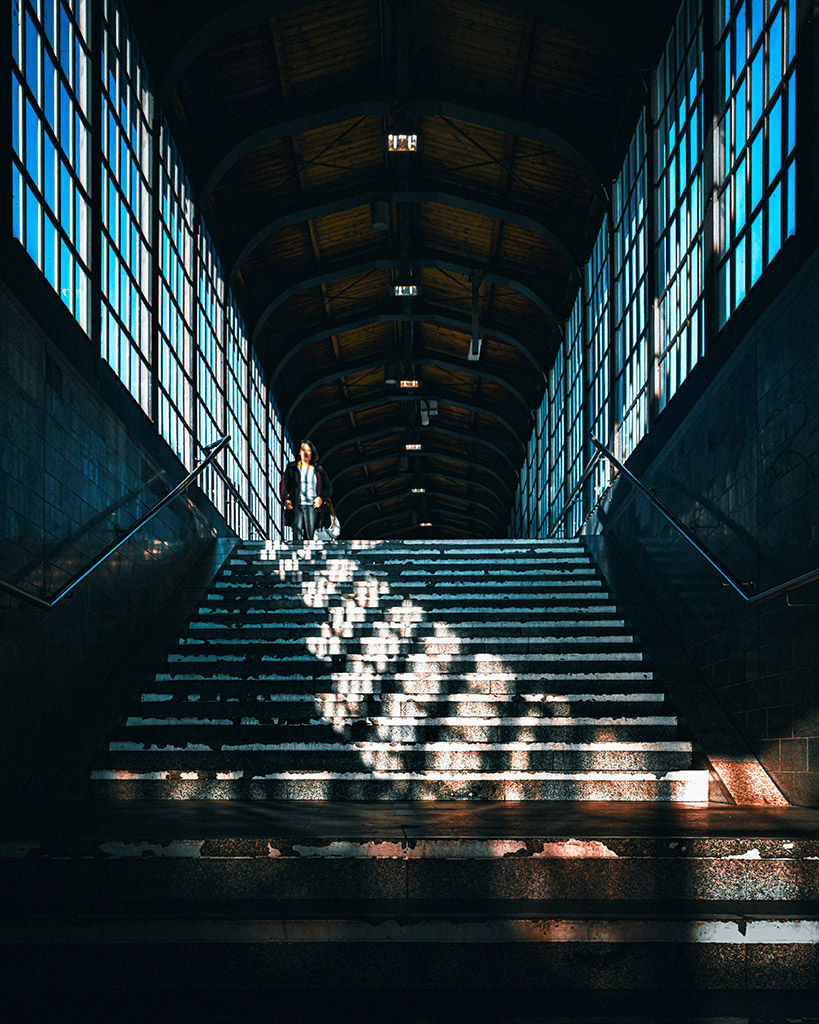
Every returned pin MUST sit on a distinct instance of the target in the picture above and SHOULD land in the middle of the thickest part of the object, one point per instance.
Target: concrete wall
(71, 475)
(742, 469)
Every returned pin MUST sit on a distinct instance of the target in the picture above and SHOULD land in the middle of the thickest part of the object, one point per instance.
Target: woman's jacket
(291, 481)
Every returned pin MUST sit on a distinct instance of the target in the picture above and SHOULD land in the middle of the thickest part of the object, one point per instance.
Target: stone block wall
(741, 469)
(72, 476)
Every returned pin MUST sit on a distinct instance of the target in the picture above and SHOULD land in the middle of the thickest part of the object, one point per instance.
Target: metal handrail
(765, 595)
(212, 450)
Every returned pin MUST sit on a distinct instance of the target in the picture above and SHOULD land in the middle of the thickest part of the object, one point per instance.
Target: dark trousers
(305, 523)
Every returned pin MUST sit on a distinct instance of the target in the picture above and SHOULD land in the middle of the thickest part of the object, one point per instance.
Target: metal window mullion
(6, 107)
(155, 283)
(807, 114)
(611, 400)
(654, 287)
(586, 378)
(222, 301)
(95, 270)
(194, 326)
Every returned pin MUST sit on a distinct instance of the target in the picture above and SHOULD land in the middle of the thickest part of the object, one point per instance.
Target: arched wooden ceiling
(525, 109)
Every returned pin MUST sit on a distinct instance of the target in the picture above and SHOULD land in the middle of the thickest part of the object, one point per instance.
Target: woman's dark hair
(314, 456)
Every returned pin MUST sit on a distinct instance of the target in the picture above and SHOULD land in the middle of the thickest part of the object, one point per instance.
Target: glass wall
(167, 323)
(51, 144)
(630, 282)
(651, 260)
(575, 429)
(678, 197)
(756, 141)
(598, 353)
(175, 324)
(126, 187)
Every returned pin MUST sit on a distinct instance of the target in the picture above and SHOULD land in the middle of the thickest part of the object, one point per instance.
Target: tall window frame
(575, 446)
(556, 450)
(126, 199)
(175, 313)
(755, 143)
(51, 189)
(630, 259)
(678, 130)
(597, 355)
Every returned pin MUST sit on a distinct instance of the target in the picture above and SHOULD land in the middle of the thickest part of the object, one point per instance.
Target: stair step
(238, 624)
(687, 785)
(594, 646)
(214, 732)
(307, 706)
(481, 661)
(355, 756)
(242, 608)
(377, 861)
(437, 684)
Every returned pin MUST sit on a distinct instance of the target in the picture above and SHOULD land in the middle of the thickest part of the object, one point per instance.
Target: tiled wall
(71, 475)
(742, 468)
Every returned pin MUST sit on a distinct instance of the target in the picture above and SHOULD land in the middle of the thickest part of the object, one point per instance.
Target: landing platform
(204, 819)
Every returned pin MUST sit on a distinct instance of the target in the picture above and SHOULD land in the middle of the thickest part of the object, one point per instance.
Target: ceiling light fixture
(412, 446)
(409, 382)
(405, 286)
(403, 142)
(419, 490)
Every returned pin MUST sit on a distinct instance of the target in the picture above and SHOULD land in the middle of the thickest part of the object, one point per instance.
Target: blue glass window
(757, 163)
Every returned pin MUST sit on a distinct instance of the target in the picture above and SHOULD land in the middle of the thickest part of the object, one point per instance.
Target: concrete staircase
(488, 670)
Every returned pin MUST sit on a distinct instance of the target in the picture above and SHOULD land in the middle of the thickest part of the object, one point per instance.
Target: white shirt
(308, 489)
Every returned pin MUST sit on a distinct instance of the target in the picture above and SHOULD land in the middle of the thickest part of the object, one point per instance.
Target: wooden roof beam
(228, 144)
(520, 435)
(494, 271)
(530, 344)
(257, 225)
(353, 369)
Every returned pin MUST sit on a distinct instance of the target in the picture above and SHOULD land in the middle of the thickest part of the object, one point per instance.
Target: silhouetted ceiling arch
(228, 146)
(508, 277)
(525, 341)
(355, 440)
(444, 456)
(177, 48)
(440, 397)
(244, 238)
(448, 495)
(423, 359)
(348, 496)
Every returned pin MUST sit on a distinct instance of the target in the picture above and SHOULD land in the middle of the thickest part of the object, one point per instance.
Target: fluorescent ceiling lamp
(409, 383)
(419, 490)
(406, 290)
(412, 446)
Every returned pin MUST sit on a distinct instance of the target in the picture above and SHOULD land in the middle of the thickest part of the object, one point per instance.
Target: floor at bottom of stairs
(237, 818)
(415, 1006)
(93, 981)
